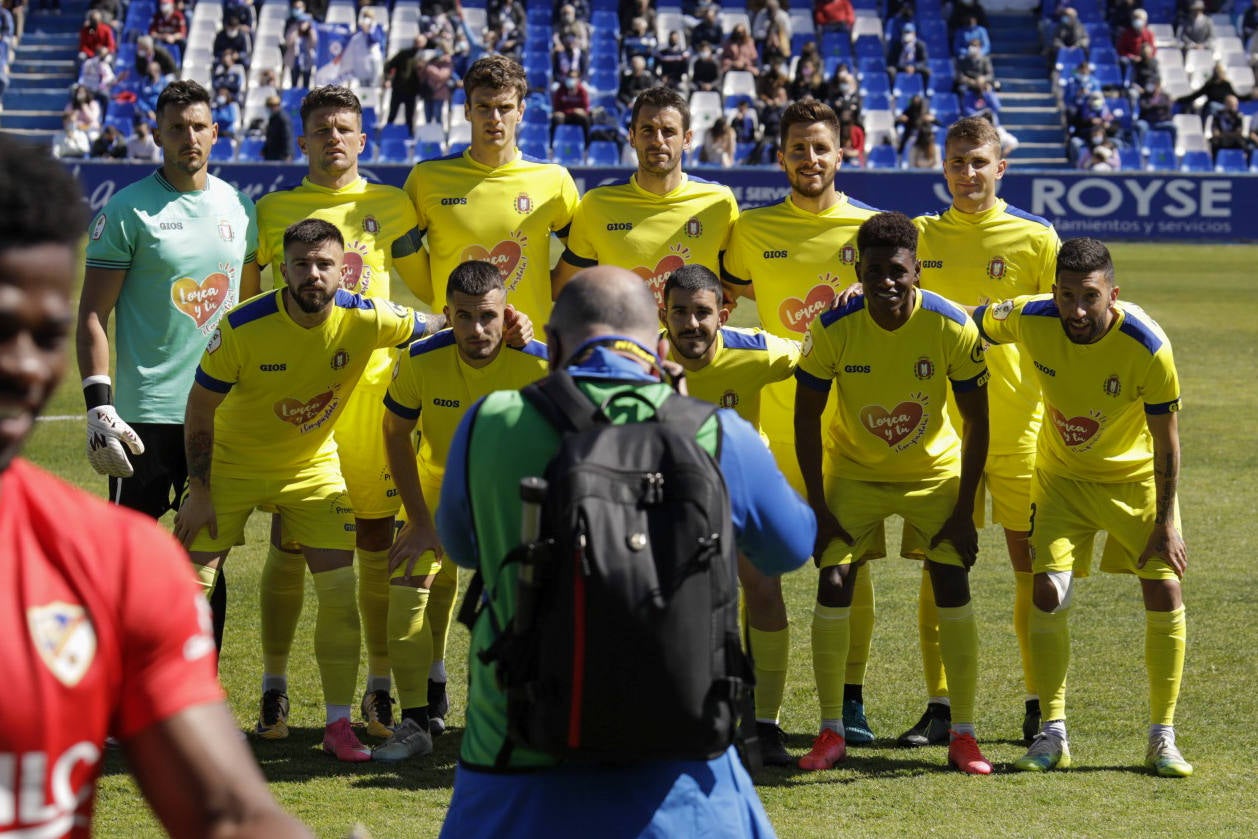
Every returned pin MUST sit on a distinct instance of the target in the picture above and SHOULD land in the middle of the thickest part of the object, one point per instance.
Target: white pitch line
(63, 418)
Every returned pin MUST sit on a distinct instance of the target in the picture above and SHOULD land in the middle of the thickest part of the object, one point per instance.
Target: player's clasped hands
(1166, 544)
(107, 434)
(196, 512)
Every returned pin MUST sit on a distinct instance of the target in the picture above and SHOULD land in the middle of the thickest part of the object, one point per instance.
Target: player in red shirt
(106, 631)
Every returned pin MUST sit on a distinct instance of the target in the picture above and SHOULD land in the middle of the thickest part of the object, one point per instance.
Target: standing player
(436, 381)
(1107, 460)
(791, 258)
(659, 218)
(274, 379)
(981, 250)
(104, 631)
(731, 367)
(378, 223)
(895, 353)
(170, 254)
(491, 202)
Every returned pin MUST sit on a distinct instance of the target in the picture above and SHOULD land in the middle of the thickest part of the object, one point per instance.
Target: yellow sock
(928, 638)
(445, 588)
(1050, 658)
(831, 637)
(207, 576)
(1165, 634)
(1022, 588)
(282, 587)
(410, 644)
(958, 645)
(861, 622)
(337, 634)
(771, 652)
(373, 608)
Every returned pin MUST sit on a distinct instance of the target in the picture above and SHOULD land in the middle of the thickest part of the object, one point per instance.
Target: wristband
(97, 391)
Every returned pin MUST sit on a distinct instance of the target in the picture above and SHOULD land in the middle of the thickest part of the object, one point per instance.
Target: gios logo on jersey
(796, 314)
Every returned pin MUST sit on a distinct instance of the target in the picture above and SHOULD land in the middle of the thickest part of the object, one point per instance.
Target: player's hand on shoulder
(196, 512)
(518, 327)
(108, 440)
(1166, 544)
(846, 295)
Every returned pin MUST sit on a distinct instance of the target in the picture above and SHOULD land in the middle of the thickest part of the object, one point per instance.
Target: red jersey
(105, 632)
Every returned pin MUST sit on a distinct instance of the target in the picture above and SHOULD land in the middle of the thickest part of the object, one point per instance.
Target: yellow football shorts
(360, 444)
(430, 486)
(313, 506)
(777, 421)
(1007, 478)
(1066, 516)
(863, 506)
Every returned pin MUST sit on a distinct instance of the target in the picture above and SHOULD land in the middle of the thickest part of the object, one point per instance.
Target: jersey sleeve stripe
(208, 382)
(978, 320)
(399, 409)
(1025, 216)
(967, 385)
(534, 348)
(109, 264)
(932, 302)
(406, 244)
(854, 305)
(444, 338)
(1160, 408)
(260, 307)
(736, 340)
(812, 382)
(726, 276)
(1133, 328)
(563, 232)
(419, 325)
(579, 261)
(346, 300)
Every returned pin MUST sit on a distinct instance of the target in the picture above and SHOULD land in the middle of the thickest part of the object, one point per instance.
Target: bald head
(603, 300)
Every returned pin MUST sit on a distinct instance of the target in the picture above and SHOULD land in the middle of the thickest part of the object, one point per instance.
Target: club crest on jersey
(847, 254)
(65, 639)
(340, 358)
(523, 204)
(694, 227)
(729, 399)
(1002, 310)
(370, 225)
(924, 368)
(98, 228)
(805, 346)
(225, 231)
(216, 341)
(996, 268)
(1112, 386)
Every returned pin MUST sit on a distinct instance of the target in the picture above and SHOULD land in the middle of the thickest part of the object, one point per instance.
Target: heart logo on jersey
(505, 256)
(892, 426)
(796, 314)
(1074, 431)
(656, 277)
(201, 301)
(351, 271)
(298, 412)
(65, 638)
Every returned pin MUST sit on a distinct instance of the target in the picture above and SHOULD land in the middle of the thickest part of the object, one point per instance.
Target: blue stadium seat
(428, 150)
(539, 149)
(1160, 160)
(869, 46)
(292, 97)
(877, 102)
(837, 44)
(223, 149)
(604, 153)
(908, 84)
(1231, 161)
(250, 150)
(871, 64)
(394, 150)
(1130, 159)
(604, 79)
(743, 154)
(799, 40)
(882, 156)
(1108, 75)
(569, 135)
(457, 148)
(941, 75)
(872, 83)
(568, 154)
(394, 131)
(369, 119)
(539, 79)
(1068, 58)
(536, 116)
(1158, 140)
(1196, 161)
(1160, 11)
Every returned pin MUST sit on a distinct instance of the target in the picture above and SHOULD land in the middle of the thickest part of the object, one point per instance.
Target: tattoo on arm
(200, 455)
(1166, 495)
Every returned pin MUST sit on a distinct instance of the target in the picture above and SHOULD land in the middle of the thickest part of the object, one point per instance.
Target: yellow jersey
(504, 215)
(892, 423)
(987, 257)
(746, 360)
(287, 384)
(433, 384)
(1095, 395)
(652, 235)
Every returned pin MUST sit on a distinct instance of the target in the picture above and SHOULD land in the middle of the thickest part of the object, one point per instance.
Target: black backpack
(624, 645)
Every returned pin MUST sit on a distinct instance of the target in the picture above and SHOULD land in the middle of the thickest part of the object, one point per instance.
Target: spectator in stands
(672, 61)
(1094, 122)
(908, 55)
(1069, 32)
(508, 16)
(844, 90)
(772, 21)
(278, 144)
(71, 141)
(147, 50)
(718, 145)
(1133, 39)
(769, 110)
(909, 122)
(1144, 72)
(94, 34)
(1197, 33)
(110, 10)
(1082, 84)
(924, 151)
(1103, 157)
(318, 9)
(233, 37)
(833, 15)
(1155, 113)
(1119, 15)
(962, 11)
(151, 86)
(141, 146)
(896, 21)
(243, 12)
(401, 76)
(638, 40)
(569, 57)
(708, 30)
(851, 140)
(97, 76)
(17, 10)
(972, 32)
(437, 81)
(301, 51)
(739, 52)
(974, 69)
(633, 81)
(979, 100)
(743, 122)
(636, 8)
(1008, 142)
(705, 73)
(5, 55)
(267, 86)
(509, 40)
(1249, 21)
(169, 27)
(1216, 89)
(225, 113)
(1228, 129)
(809, 81)
(85, 109)
(109, 144)
(362, 60)
(569, 21)
(229, 73)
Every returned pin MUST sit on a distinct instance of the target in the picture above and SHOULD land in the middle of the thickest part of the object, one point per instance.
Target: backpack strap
(557, 398)
(685, 414)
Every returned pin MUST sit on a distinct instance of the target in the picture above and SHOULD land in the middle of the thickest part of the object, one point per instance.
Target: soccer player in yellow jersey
(491, 202)
(1107, 459)
(272, 382)
(792, 258)
(731, 367)
(659, 218)
(981, 250)
(378, 223)
(436, 382)
(891, 449)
